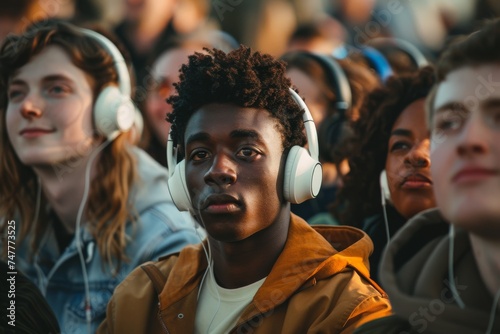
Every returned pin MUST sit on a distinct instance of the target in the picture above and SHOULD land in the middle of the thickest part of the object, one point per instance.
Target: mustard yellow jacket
(319, 284)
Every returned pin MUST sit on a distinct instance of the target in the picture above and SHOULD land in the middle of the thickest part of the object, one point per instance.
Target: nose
(419, 155)
(222, 172)
(472, 138)
(31, 107)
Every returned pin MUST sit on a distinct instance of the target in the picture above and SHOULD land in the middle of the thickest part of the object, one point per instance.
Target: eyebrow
(456, 106)
(49, 78)
(235, 134)
(243, 133)
(491, 103)
(56, 77)
(200, 136)
(401, 132)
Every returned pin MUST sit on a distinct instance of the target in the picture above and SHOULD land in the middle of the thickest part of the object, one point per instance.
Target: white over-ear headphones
(114, 111)
(303, 173)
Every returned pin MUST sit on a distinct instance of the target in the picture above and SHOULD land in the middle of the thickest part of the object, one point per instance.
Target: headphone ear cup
(177, 187)
(113, 112)
(303, 176)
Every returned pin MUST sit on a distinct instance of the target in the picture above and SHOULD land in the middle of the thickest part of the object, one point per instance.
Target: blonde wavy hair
(108, 208)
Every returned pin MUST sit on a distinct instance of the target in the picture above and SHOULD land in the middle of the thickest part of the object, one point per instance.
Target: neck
(63, 186)
(487, 254)
(244, 262)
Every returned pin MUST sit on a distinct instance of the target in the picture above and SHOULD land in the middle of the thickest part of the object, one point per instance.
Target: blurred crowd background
(265, 25)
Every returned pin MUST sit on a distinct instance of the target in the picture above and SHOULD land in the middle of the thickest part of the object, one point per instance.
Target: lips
(221, 203)
(416, 181)
(473, 174)
(34, 132)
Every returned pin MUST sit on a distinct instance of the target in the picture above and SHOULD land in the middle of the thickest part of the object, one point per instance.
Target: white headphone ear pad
(113, 111)
(177, 187)
(303, 176)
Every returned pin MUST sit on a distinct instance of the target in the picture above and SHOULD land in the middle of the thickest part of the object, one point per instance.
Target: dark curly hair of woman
(242, 78)
(360, 197)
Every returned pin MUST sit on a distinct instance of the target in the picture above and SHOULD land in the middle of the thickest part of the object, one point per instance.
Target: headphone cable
(492, 312)
(88, 306)
(451, 274)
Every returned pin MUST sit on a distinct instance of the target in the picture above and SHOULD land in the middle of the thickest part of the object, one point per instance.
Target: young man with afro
(261, 268)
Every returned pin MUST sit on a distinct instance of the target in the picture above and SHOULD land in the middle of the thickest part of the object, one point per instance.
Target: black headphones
(330, 129)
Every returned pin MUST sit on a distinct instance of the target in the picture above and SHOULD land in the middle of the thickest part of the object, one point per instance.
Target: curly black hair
(360, 197)
(242, 78)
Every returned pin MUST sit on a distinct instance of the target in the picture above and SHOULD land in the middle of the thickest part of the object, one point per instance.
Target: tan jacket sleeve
(133, 306)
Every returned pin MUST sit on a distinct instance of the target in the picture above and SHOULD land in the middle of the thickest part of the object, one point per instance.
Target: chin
(483, 218)
(57, 160)
(415, 206)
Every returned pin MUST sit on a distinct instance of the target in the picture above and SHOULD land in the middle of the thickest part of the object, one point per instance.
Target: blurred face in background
(149, 11)
(165, 72)
(408, 162)
(309, 90)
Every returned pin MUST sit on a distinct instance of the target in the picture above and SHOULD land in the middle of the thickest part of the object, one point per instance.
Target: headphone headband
(114, 111)
(121, 67)
(337, 77)
(411, 50)
(312, 136)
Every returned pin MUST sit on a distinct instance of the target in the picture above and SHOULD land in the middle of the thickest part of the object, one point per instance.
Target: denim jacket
(161, 229)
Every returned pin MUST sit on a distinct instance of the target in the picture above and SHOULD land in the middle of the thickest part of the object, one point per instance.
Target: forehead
(170, 61)
(412, 117)
(220, 120)
(470, 86)
(306, 85)
(52, 60)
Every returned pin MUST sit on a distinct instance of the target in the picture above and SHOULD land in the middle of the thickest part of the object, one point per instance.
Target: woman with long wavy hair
(86, 209)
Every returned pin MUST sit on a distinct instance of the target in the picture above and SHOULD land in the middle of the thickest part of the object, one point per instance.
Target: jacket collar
(309, 255)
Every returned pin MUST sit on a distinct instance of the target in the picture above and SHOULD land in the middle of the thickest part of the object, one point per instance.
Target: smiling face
(49, 110)
(466, 148)
(408, 162)
(234, 160)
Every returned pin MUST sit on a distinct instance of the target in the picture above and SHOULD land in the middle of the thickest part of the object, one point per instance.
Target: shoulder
(134, 304)
(362, 299)
(343, 301)
(165, 215)
(161, 230)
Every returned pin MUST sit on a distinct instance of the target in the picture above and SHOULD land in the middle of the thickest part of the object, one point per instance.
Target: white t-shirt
(219, 309)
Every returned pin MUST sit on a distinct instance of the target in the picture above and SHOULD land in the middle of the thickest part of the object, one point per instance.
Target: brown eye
(198, 155)
(14, 94)
(400, 146)
(247, 152)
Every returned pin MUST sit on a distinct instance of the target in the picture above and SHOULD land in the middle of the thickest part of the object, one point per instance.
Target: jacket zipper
(161, 320)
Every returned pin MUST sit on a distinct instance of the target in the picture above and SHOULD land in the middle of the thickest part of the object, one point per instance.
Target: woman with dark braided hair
(390, 135)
